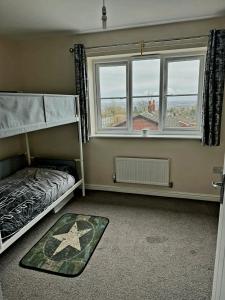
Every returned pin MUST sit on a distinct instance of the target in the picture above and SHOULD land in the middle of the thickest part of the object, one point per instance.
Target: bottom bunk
(30, 193)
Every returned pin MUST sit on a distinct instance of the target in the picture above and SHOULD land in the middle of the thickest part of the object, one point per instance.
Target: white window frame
(98, 97)
(146, 57)
(163, 131)
(199, 94)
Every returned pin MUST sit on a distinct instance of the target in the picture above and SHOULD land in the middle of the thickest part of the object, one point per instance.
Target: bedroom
(35, 58)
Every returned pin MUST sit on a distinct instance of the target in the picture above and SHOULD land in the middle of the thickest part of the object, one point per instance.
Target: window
(145, 94)
(113, 98)
(159, 94)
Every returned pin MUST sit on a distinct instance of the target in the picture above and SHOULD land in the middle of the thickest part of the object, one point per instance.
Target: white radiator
(152, 171)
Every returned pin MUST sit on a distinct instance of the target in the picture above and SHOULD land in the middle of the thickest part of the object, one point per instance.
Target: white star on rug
(71, 238)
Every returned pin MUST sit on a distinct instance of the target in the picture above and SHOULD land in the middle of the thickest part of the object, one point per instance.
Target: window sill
(158, 136)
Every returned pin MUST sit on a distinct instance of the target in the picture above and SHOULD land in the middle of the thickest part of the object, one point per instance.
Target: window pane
(113, 113)
(183, 77)
(181, 112)
(145, 113)
(112, 81)
(146, 76)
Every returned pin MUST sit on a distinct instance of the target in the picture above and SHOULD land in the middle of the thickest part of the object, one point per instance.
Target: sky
(182, 78)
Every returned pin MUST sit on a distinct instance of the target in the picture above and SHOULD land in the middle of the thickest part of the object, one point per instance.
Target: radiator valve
(114, 177)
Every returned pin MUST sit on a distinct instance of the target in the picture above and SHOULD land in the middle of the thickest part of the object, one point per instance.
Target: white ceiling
(45, 16)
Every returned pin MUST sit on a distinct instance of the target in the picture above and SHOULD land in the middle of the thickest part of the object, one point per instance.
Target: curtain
(81, 88)
(213, 88)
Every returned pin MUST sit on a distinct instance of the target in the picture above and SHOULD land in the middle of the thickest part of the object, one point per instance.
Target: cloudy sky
(182, 78)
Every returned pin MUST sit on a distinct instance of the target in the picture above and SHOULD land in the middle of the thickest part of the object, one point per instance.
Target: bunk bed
(30, 187)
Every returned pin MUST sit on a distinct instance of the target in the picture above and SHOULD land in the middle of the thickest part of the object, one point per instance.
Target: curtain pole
(145, 42)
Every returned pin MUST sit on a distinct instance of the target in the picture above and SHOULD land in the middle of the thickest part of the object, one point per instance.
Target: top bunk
(23, 112)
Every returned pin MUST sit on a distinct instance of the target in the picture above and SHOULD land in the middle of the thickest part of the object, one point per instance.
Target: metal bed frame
(58, 204)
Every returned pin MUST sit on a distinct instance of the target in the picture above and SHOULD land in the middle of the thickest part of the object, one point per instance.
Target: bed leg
(27, 149)
(83, 189)
(81, 148)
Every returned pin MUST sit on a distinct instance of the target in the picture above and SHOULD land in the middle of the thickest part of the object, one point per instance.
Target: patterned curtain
(213, 88)
(81, 88)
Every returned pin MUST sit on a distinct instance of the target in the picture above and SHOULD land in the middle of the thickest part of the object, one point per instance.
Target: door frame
(218, 291)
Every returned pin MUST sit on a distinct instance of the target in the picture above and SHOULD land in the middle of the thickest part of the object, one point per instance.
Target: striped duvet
(27, 193)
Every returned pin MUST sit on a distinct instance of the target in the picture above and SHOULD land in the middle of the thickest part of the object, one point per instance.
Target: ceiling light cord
(104, 16)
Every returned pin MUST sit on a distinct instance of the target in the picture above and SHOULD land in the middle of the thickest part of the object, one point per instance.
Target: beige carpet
(153, 248)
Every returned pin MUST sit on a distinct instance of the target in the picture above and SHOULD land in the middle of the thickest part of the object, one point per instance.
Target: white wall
(45, 65)
(9, 82)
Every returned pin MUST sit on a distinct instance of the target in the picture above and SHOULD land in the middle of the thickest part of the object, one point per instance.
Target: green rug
(68, 245)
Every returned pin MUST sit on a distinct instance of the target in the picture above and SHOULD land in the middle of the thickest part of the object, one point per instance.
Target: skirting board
(153, 192)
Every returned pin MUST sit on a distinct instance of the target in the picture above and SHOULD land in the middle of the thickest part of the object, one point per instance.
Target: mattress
(27, 193)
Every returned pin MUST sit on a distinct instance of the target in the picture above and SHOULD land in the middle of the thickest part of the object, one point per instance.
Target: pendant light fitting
(104, 16)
